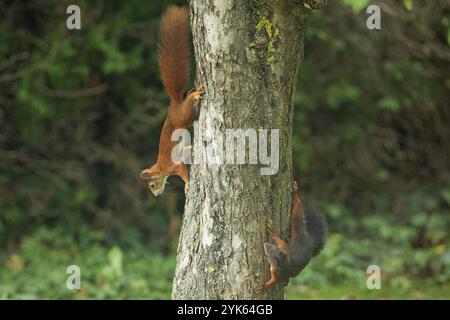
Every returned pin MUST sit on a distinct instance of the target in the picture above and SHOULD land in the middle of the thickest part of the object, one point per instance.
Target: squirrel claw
(186, 188)
(197, 93)
(260, 290)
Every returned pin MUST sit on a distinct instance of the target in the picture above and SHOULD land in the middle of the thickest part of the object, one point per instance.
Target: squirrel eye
(152, 185)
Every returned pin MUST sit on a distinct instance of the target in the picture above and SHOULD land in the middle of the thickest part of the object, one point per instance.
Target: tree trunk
(247, 57)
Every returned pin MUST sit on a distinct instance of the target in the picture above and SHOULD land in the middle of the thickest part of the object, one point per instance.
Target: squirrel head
(156, 182)
(277, 258)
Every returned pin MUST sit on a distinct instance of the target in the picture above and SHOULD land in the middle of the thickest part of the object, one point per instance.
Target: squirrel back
(317, 229)
(308, 240)
(307, 225)
(174, 51)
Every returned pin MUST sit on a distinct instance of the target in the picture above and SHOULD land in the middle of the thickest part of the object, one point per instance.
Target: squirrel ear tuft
(146, 174)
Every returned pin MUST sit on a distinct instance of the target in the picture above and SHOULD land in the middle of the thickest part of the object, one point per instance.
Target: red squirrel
(307, 238)
(174, 67)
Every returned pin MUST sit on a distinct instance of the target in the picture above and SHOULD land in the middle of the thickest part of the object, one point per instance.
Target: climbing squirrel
(307, 238)
(174, 67)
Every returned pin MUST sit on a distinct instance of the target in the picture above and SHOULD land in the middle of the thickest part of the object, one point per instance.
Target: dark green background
(80, 115)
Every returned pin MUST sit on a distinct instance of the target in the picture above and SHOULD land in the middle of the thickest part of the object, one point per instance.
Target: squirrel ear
(146, 174)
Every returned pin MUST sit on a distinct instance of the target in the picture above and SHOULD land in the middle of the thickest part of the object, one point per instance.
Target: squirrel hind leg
(197, 93)
(192, 95)
(181, 115)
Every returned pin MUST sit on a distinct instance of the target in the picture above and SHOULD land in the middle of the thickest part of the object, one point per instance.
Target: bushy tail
(174, 51)
(317, 229)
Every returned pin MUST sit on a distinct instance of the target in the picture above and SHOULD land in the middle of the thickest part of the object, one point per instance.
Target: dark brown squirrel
(307, 239)
(174, 66)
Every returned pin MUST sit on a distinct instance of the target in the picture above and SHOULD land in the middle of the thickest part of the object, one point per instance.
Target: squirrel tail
(317, 229)
(174, 51)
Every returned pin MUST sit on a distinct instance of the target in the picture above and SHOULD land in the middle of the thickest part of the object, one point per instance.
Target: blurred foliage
(80, 113)
(39, 270)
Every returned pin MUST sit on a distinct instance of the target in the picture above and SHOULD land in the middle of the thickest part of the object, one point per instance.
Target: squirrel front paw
(186, 188)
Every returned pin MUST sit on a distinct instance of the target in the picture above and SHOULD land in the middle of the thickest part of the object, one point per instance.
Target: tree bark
(247, 57)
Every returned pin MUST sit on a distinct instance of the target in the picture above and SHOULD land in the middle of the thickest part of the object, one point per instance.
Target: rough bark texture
(247, 57)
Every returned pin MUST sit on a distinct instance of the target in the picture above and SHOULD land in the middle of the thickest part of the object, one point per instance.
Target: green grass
(348, 291)
(37, 270)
